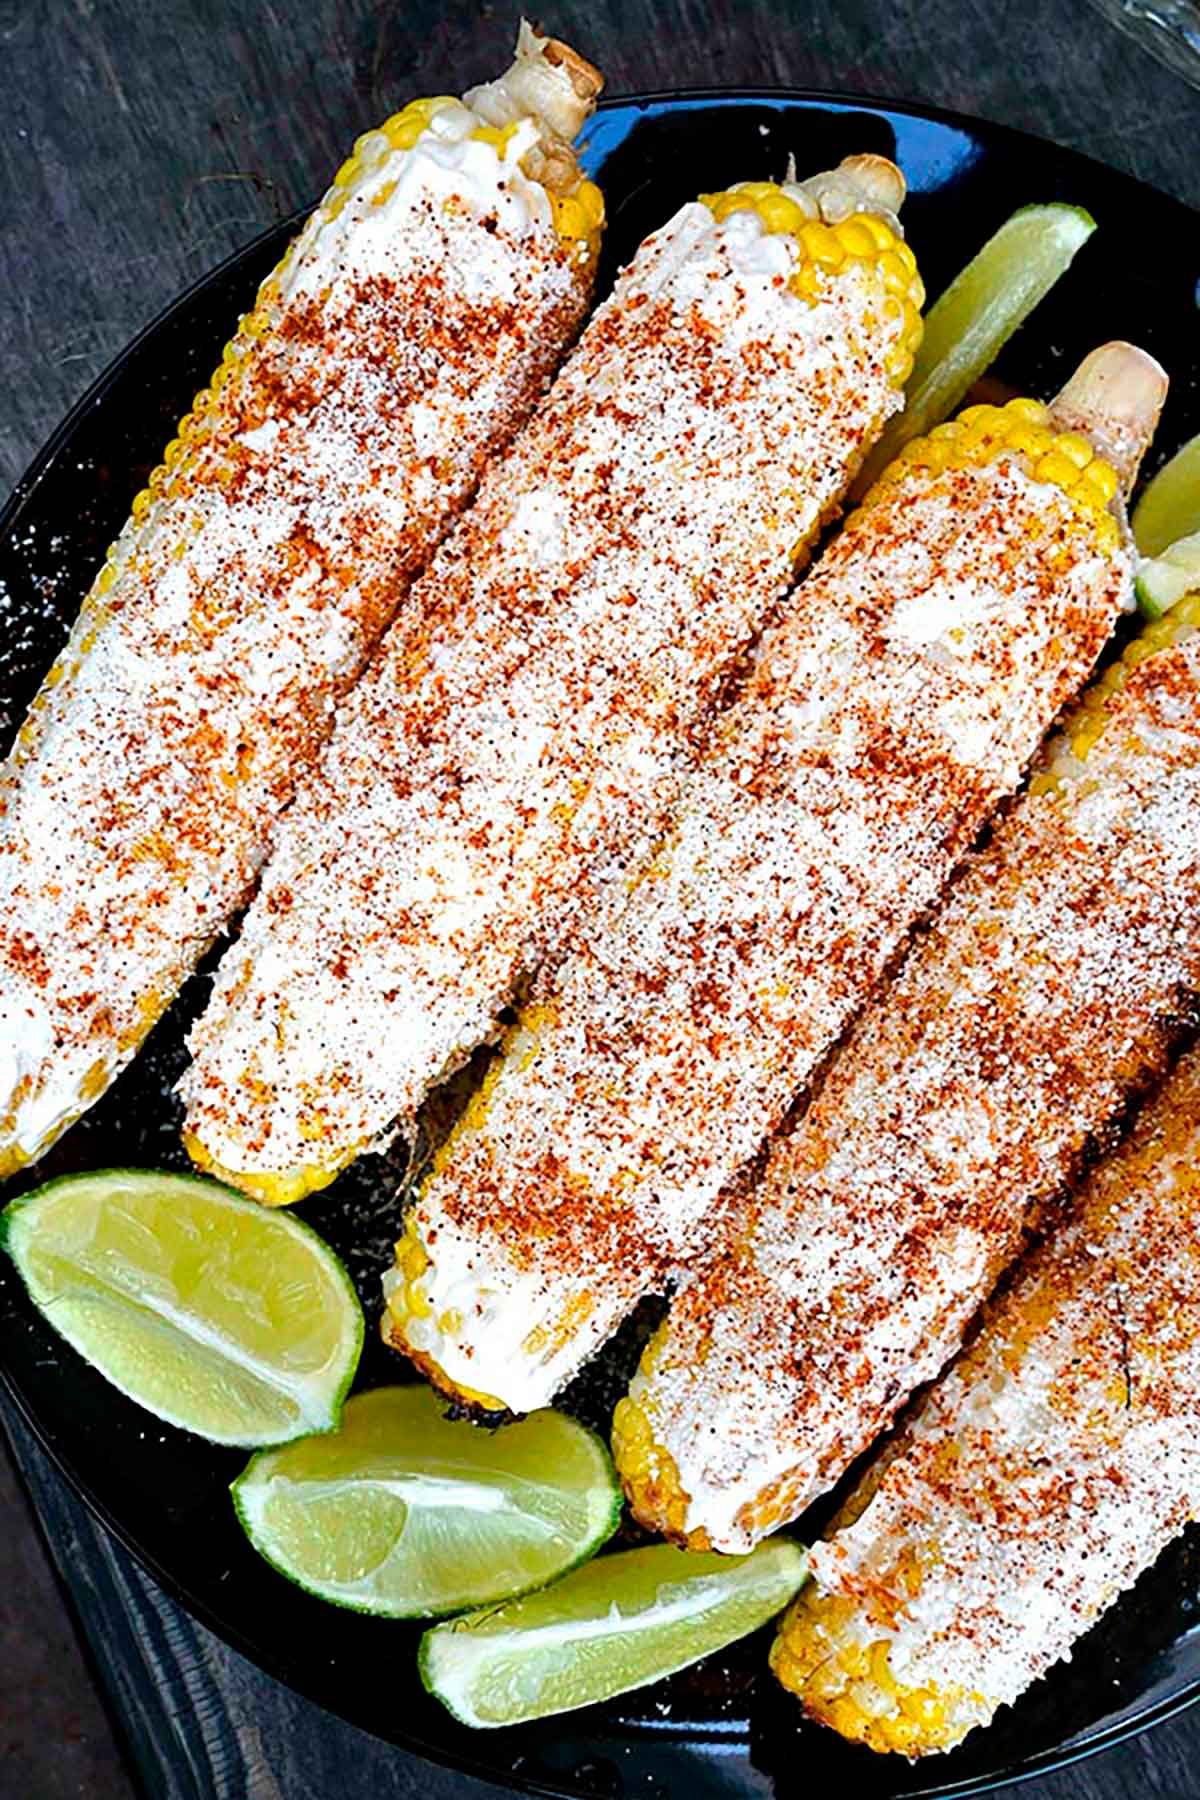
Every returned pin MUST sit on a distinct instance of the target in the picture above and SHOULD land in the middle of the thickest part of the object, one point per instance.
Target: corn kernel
(880, 230)
(895, 275)
(879, 1663)
(846, 1719)
(1058, 469)
(854, 237)
(778, 213)
(1075, 447)
(403, 131)
(570, 220)
(1100, 478)
(822, 245)
(1031, 411)
(591, 199)
(899, 1733)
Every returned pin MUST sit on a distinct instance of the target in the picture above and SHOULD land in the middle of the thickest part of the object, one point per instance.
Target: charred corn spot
(844, 1678)
(1063, 459)
(863, 240)
(272, 1187)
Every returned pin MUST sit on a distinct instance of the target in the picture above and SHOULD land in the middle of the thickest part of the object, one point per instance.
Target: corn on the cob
(1040, 1476)
(1042, 999)
(885, 714)
(519, 735)
(405, 335)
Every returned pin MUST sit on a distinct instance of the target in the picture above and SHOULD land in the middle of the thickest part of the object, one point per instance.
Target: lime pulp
(407, 1513)
(233, 1322)
(618, 1622)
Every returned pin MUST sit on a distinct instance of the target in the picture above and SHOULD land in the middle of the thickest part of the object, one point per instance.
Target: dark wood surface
(140, 144)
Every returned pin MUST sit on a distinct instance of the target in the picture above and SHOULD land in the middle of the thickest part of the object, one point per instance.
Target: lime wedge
(976, 316)
(236, 1323)
(614, 1624)
(405, 1512)
(1162, 581)
(1170, 505)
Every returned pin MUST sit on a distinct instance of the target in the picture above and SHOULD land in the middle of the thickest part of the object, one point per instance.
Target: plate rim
(198, 1610)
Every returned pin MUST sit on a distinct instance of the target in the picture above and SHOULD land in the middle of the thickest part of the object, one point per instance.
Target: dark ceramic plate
(722, 1727)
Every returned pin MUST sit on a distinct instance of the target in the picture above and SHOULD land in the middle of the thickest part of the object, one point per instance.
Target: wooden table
(141, 143)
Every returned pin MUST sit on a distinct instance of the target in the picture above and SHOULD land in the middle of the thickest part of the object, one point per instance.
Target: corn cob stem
(1115, 397)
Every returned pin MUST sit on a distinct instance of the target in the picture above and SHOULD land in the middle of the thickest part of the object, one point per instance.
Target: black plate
(722, 1727)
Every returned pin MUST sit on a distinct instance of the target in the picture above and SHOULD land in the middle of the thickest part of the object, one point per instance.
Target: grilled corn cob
(518, 737)
(1043, 998)
(405, 334)
(884, 715)
(1036, 1480)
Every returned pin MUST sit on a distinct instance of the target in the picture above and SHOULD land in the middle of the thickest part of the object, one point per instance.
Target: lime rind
(592, 1497)
(1163, 581)
(300, 1404)
(622, 1622)
(1169, 506)
(974, 318)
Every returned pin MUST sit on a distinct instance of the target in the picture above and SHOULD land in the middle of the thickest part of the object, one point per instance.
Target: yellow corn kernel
(1075, 447)
(497, 135)
(822, 245)
(885, 238)
(847, 1719)
(879, 1665)
(779, 213)
(856, 240)
(1033, 412)
(896, 278)
(899, 1733)
(1101, 478)
(411, 1254)
(591, 199)
(923, 1707)
(1056, 468)
(570, 219)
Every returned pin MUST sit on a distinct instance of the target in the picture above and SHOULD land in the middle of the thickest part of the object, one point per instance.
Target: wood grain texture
(142, 144)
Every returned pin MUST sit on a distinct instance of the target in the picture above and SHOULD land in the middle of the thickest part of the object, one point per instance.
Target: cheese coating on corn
(518, 738)
(883, 717)
(1043, 997)
(1040, 1476)
(405, 335)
